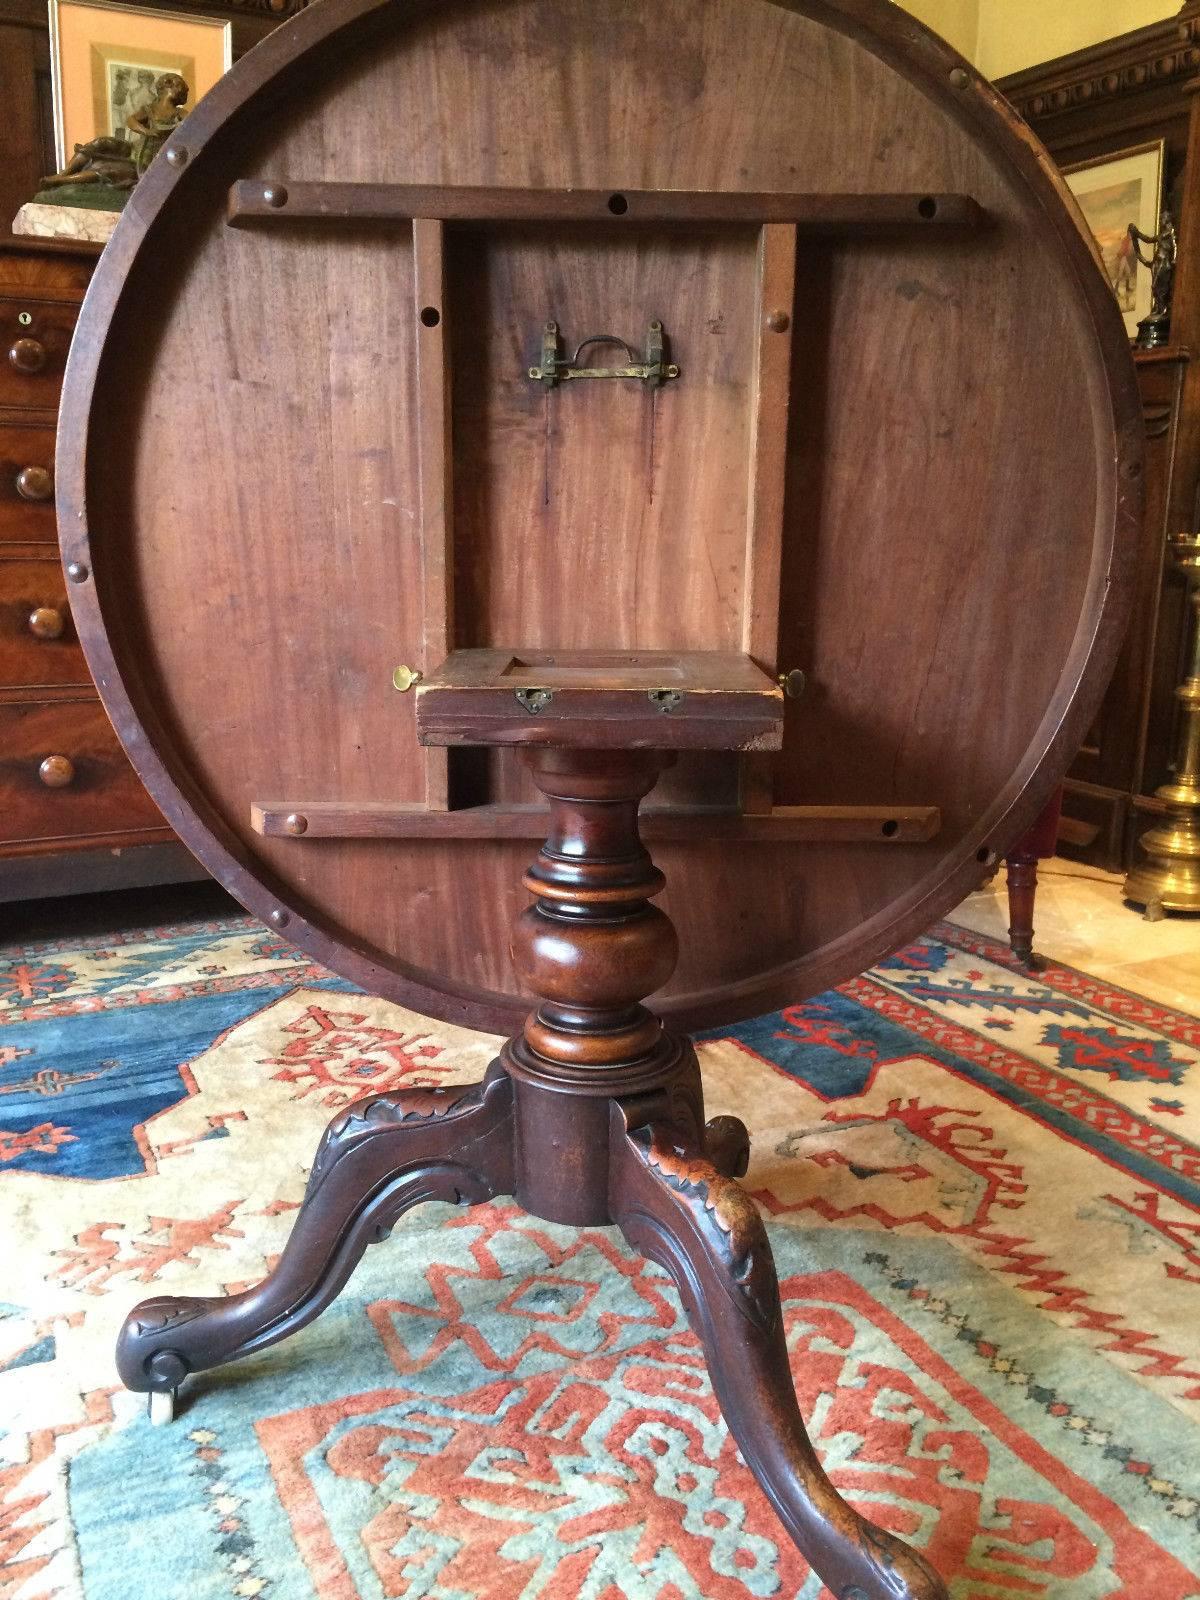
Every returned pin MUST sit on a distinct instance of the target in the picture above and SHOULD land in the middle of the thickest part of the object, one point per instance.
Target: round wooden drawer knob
(56, 772)
(46, 622)
(28, 355)
(35, 483)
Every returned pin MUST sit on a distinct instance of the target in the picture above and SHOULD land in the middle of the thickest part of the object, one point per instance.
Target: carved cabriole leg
(605, 1100)
(674, 1207)
(378, 1158)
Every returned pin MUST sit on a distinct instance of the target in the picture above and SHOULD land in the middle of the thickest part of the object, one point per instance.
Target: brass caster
(160, 1406)
(1154, 912)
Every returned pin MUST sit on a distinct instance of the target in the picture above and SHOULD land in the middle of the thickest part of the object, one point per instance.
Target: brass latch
(555, 369)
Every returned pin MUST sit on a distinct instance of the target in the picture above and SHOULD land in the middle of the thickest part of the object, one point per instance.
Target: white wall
(1019, 33)
(956, 20)
(1002, 36)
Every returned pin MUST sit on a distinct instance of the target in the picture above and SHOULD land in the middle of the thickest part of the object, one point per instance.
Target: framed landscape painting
(105, 60)
(1113, 192)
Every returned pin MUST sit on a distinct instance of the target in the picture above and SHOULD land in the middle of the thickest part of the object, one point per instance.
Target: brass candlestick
(1170, 879)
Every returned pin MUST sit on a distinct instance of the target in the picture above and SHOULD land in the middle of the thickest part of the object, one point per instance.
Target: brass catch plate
(654, 369)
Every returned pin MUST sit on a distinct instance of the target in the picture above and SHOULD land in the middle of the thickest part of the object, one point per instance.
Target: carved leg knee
(378, 1158)
(674, 1206)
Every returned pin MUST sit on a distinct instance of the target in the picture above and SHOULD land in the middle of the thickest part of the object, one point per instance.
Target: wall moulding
(1151, 58)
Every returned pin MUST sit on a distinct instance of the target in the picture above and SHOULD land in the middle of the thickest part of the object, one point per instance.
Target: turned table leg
(1021, 865)
(1021, 874)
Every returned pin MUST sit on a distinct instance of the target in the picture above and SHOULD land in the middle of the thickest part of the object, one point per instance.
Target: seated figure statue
(156, 122)
(108, 160)
(115, 161)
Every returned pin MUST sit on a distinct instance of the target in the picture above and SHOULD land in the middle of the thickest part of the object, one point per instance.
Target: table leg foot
(160, 1407)
(379, 1157)
(674, 1206)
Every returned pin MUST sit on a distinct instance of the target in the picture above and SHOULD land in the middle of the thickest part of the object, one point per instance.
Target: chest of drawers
(73, 815)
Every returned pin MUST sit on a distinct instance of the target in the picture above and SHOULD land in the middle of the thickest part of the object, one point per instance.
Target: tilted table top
(752, 329)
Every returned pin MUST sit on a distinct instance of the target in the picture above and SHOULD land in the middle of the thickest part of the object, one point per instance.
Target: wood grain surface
(37, 640)
(94, 795)
(26, 482)
(839, 215)
(250, 479)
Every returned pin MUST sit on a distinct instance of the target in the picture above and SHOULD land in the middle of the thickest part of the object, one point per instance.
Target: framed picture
(1113, 192)
(105, 60)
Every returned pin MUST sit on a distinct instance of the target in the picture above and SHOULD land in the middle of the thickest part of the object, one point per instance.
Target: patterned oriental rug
(982, 1200)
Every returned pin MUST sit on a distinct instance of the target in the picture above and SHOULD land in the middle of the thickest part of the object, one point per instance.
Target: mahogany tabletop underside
(879, 430)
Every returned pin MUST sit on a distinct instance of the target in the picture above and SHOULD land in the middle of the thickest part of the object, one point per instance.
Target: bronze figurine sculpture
(113, 162)
(1155, 330)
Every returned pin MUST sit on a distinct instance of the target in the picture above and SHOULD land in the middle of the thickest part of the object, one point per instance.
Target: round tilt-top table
(490, 416)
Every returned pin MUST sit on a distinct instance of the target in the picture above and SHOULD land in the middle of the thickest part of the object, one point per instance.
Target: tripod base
(666, 1178)
(592, 1115)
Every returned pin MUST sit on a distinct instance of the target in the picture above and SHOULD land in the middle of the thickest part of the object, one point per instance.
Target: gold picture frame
(104, 59)
(1113, 191)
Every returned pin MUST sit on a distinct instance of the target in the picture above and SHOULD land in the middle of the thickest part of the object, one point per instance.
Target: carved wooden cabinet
(1109, 793)
(1092, 104)
(73, 814)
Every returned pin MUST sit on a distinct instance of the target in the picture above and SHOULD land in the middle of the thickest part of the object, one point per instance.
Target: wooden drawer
(26, 483)
(34, 266)
(33, 604)
(103, 794)
(34, 352)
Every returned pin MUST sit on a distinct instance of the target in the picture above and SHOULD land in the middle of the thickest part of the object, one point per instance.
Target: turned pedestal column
(591, 947)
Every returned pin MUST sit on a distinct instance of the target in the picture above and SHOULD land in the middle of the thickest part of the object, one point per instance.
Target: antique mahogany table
(487, 413)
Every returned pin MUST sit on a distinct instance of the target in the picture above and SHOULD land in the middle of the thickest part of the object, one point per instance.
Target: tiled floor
(1082, 920)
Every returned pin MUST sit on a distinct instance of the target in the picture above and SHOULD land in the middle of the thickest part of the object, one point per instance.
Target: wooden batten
(436, 496)
(770, 394)
(255, 200)
(348, 819)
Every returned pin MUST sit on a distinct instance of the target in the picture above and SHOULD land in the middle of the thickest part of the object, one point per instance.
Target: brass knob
(46, 622)
(793, 683)
(27, 355)
(56, 772)
(35, 483)
(404, 677)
